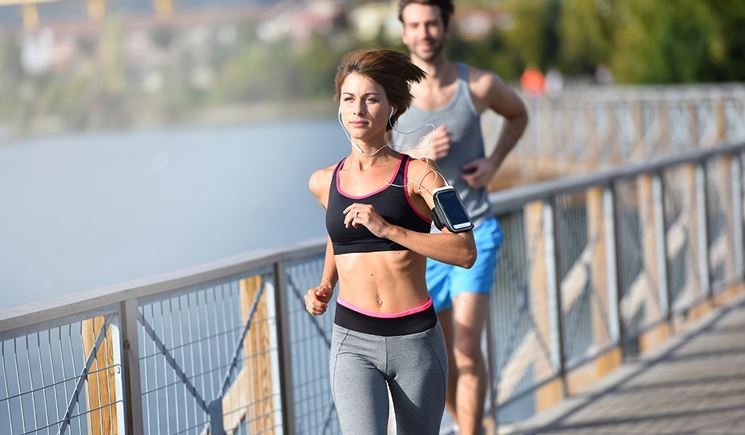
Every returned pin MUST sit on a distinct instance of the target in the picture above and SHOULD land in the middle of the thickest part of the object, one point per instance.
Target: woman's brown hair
(391, 69)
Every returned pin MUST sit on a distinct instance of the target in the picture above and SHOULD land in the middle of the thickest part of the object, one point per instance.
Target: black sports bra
(392, 202)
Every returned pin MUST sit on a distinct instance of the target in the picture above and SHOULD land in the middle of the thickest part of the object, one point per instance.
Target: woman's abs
(382, 282)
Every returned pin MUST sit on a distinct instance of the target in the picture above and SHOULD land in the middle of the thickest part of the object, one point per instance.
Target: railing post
(722, 178)
(102, 418)
(703, 229)
(120, 398)
(614, 284)
(131, 366)
(556, 310)
(493, 379)
(736, 181)
(544, 304)
(216, 417)
(653, 245)
(611, 255)
(658, 195)
(281, 301)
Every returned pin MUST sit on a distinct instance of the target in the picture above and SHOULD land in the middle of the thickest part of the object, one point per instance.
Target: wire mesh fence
(61, 379)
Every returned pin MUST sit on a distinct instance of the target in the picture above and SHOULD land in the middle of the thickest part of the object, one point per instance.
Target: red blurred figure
(533, 82)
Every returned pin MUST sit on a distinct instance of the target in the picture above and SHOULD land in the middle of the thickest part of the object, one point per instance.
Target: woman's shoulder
(425, 173)
(320, 180)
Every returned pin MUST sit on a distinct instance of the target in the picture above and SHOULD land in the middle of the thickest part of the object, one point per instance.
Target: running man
(452, 97)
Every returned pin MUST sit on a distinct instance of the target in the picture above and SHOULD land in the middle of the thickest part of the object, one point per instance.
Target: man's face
(424, 32)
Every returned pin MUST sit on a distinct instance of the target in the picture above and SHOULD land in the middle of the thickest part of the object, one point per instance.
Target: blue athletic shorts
(445, 282)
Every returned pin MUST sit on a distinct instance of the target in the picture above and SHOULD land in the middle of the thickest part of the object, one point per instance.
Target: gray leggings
(413, 366)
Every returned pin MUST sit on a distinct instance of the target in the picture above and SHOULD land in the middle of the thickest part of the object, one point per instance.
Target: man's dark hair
(446, 8)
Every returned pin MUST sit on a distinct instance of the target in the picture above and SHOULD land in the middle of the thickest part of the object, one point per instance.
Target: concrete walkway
(695, 384)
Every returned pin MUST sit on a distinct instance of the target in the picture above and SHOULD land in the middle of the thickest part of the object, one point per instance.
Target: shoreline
(207, 116)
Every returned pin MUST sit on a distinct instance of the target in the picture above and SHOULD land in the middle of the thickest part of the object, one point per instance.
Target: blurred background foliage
(121, 74)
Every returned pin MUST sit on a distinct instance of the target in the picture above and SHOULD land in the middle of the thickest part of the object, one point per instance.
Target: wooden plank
(101, 394)
(723, 180)
(691, 210)
(551, 394)
(649, 246)
(655, 337)
(597, 235)
(250, 398)
(586, 375)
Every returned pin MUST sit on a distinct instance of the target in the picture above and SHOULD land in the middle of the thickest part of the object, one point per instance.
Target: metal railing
(593, 270)
(589, 128)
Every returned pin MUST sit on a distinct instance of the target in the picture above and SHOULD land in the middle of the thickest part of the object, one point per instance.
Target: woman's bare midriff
(385, 282)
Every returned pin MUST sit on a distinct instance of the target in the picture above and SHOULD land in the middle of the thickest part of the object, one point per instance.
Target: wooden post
(654, 263)
(542, 305)
(601, 306)
(639, 135)
(694, 131)
(593, 145)
(721, 122)
(251, 396)
(723, 179)
(101, 395)
(663, 112)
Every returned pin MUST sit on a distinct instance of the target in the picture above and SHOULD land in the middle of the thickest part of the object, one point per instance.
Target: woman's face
(364, 108)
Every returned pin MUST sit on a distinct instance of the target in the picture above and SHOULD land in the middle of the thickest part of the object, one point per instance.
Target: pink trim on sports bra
(387, 185)
(406, 193)
(414, 310)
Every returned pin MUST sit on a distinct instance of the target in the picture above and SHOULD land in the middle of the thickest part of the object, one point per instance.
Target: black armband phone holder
(449, 211)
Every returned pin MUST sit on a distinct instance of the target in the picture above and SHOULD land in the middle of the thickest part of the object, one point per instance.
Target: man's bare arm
(490, 92)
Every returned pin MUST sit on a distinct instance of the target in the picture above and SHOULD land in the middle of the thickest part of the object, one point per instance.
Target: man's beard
(437, 47)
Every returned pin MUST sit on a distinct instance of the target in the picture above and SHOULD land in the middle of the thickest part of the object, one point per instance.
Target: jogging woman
(378, 214)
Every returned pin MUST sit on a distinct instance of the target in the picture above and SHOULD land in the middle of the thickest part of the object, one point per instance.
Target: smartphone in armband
(449, 210)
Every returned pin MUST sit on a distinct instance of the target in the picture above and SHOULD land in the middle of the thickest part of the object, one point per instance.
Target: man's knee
(468, 350)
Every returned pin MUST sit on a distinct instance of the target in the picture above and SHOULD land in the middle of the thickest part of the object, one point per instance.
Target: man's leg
(470, 294)
(468, 319)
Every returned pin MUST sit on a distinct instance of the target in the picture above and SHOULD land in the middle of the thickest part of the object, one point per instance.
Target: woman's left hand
(365, 214)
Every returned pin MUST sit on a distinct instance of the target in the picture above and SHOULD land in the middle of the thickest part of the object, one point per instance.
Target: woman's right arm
(317, 298)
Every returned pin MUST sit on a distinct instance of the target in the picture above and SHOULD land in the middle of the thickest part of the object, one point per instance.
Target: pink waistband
(414, 310)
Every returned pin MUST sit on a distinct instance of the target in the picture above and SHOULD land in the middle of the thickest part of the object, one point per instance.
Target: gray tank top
(467, 144)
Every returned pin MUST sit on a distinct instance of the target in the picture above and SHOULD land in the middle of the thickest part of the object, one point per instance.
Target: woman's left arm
(458, 249)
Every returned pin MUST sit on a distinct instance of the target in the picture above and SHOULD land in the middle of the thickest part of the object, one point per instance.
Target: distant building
(298, 22)
(369, 20)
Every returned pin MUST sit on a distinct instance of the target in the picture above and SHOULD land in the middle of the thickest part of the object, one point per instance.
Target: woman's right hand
(317, 299)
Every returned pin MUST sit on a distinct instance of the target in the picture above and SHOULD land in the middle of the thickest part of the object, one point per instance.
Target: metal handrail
(13, 319)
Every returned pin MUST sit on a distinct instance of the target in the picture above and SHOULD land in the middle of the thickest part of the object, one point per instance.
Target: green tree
(586, 34)
(533, 34)
(664, 42)
(729, 50)
(490, 53)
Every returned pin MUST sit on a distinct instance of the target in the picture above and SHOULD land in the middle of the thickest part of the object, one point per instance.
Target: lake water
(83, 211)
